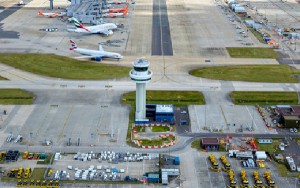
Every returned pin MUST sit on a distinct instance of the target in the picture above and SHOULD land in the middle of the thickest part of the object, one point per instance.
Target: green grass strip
(263, 98)
(253, 52)
(15, 96)
(178, 98)
(38, 173)
(63, 67)
(160, 129)
(258, 35)
(250, 73)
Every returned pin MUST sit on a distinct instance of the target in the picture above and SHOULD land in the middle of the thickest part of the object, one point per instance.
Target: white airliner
(97, 55)
(105, 28)
(117, 2)
(115, 14)
(52, 14)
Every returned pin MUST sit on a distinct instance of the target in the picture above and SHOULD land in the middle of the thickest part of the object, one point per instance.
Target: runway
(161, 37)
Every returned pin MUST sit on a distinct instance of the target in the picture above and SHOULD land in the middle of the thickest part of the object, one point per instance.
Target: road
(183, 142)
(129, 85)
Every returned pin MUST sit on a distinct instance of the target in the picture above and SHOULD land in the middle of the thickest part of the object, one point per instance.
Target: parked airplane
(116, 2)
(105, 28)
(97, 55)
(114, 15)
(52, 14)
(115, 10)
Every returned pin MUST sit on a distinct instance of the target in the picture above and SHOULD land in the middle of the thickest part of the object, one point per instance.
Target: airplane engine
(97, 59)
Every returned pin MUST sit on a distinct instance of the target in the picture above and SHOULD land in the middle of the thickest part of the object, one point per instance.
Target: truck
(130, 179)
(214, 163)
(240, 155)
(226, 164)
(176, 161)
(258, 182)
(245, 182)
(270, 182)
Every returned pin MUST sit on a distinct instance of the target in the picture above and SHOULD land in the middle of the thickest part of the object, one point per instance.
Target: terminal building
(85, 11)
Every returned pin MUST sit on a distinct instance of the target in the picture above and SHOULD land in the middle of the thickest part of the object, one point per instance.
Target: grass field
(252, 52)
(157, 142)
(263, 98)
(177, 98)
(38, 173)
(63, 67)
(257, 35)
(196, 144)
(250, 73)
(15, 96)
(160, 129)
(271, 148)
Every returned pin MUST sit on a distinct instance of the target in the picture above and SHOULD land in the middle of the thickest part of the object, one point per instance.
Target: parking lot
(201, 176)
(104, 168)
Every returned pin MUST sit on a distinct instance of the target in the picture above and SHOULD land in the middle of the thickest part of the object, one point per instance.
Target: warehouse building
(210, 144)
(289, 116)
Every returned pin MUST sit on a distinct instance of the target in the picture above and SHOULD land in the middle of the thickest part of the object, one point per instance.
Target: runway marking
(66, 121)
(223, 115)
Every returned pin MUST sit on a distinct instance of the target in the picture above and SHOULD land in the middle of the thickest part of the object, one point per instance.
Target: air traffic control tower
(140, 75)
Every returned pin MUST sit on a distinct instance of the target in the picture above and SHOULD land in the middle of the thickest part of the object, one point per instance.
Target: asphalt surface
(4, 14)
(161, 38)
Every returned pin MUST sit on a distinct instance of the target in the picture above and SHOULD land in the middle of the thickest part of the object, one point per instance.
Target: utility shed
(164, 113)
(289, 115)
(291, 121)
(210, 144)
(261, 155)
(153, 178)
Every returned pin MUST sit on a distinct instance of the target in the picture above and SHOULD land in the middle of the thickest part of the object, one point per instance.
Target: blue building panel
(164, 113)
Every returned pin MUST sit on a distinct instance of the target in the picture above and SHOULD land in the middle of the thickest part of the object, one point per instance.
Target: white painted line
(208, 173)
(288, 182)
(223, 178)
(198, 124)
(252, 118)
